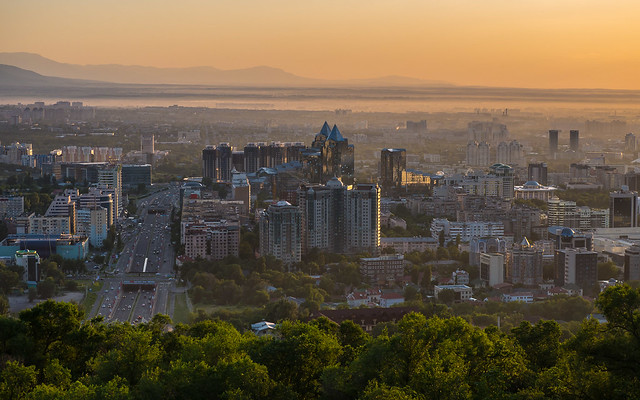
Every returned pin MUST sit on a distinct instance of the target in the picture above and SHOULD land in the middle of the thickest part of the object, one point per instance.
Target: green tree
(607, 270)
(16, 380)
(447, 296)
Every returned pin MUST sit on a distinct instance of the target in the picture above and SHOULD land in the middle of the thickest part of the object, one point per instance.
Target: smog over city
(286, 199)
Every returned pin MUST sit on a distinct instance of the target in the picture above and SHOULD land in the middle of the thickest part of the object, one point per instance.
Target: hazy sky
(525, 43)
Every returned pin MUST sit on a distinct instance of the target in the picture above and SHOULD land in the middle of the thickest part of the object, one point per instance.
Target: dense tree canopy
(50, 352)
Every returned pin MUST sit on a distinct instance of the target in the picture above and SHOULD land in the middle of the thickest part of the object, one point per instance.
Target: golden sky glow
(532, 43)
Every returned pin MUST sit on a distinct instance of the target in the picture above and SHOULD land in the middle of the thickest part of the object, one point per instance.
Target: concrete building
(241, 190)
(537, 172)
(69, 247)
(147, 144)
(385, 269)
(632, 264)
(11, 206)
(630, 143)
(135, 175)
(393, 164)
(578, 267)
(524, 264)
(93, 222)
(466, 230)
(623, 208)
(404, 245)
(30, 261)
(533, 190)
(110, 181)
(492, 268)
(553, 142)
(462, 292)
(574, 140)
(50, 226)
(340, 218)
(330, 156)
(63, 206)
(217, 162)
(362, 219)
(280, 232)
(478, 154)
(210, 228)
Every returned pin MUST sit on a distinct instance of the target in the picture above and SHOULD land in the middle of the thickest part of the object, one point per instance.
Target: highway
(133, 292)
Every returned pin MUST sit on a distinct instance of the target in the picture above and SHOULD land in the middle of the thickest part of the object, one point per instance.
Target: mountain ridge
(200, 75)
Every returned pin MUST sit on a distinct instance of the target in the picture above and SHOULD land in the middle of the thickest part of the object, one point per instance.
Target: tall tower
(553, 142)
(280, 233)
(630, 142)
(147, 144)
(110, 180)
(393, 164)
(217, 162)
(574, 140)
(538, 172)
(362, 219)
(623, 209)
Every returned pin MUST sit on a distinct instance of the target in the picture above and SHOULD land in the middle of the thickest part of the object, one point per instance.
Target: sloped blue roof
(325, 129)
(335, 135)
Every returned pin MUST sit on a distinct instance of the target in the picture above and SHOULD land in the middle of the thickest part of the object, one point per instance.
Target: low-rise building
(383, 269)
(70, 247)
(404, 245)
(462, 292)
(492, 268)
(390, 299)
(525, 297)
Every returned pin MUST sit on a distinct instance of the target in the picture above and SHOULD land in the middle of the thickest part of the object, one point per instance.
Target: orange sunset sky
(537, 43)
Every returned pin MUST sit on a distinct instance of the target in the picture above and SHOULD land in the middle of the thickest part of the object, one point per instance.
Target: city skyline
(516, 44)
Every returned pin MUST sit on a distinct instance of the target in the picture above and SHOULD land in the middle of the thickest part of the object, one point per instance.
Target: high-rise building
(63, 206)
(630, 142)
(524, 264)
(577, 266)
(11, 207)
(330, 156)
(280, 232)
(340, 218)
(553, 142)
(417, 126)
(492, 268)
(505, 174)
(510, 153)
(561, 212)
(93, 223)
(362, 219)
(393, 163)
(478, 154)
(574, 140)
(110, 181)
(134, 175)
(147, 144)
(623, 209)
(632, 264)
(537, 172)
(217, 162)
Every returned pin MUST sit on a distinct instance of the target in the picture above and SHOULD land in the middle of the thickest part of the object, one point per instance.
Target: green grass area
(91, 297)
(180, 310)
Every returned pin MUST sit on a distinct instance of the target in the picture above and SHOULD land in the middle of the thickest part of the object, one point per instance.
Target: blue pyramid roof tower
(335, 135)
(325, 129)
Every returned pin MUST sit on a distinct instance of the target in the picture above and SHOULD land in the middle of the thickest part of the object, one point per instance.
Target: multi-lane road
(139, 282)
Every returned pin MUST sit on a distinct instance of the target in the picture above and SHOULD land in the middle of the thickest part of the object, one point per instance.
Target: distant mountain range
(134, 74)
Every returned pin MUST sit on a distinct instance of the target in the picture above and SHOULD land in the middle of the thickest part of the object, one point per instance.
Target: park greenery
(51, 352)
(590, 198)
